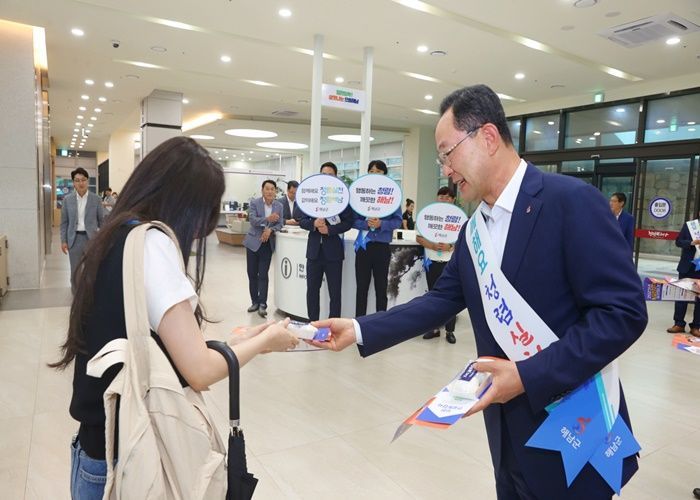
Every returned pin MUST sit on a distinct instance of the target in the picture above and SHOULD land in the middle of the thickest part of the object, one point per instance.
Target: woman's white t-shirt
(166, 284)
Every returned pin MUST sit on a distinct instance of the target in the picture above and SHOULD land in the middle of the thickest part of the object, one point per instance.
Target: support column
(121, 157)
(161, 119)
(366, 123)
(420, 173)
(316, 82)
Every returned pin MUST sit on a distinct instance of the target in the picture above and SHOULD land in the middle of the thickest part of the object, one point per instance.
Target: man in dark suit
(325, 253)
(559, 246)
(686, 269)
(626, 220)
(265, 218)
(81, 217)
(289, 204)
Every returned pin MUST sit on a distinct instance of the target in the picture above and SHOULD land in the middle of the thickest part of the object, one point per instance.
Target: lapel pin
(528, 210)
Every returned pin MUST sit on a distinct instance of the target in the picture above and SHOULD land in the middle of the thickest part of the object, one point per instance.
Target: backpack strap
(112, 353)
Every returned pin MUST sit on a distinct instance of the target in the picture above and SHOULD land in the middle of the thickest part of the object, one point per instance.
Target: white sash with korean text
(517, 328)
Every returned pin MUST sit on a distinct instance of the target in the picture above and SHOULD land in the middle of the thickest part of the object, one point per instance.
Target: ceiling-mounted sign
(342, 97)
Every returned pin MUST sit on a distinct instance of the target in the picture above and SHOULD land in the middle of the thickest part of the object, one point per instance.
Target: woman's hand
(243, 333)
(277, 338)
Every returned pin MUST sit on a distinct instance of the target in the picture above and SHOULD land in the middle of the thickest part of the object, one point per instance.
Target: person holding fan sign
(554, 300)
(688, 265)
(372, 250)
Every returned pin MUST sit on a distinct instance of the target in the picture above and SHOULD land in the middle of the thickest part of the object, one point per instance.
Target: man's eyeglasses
(442, 157)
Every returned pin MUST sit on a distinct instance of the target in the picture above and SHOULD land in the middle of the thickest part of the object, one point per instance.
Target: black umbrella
(241, 483)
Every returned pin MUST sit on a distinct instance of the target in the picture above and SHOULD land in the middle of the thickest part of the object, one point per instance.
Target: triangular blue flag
(697, 263)
(575, 427)
(618, 445)
(361, 241)
(426, 263)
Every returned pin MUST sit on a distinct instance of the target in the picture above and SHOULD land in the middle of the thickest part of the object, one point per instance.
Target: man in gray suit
(265, 218)
(81, 217)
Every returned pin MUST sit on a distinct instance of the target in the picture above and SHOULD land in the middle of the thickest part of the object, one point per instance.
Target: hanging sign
(322, 195)
(375, 195)
(342, 97)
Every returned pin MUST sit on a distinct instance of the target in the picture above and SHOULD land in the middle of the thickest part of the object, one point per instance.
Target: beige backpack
(169, 447)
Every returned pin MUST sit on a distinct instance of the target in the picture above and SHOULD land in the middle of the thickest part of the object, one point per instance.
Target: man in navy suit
(265, 218)
(686, 269)
(560, 248)
(626, 220)
(325, 253)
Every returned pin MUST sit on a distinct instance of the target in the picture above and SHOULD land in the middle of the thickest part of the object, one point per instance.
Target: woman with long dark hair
(179, 184)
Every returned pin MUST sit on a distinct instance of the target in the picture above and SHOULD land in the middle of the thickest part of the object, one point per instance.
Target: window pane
(542, 133)
(611, 126)
(673, 119)
(549, 167)
(578, 166)
(514, 127)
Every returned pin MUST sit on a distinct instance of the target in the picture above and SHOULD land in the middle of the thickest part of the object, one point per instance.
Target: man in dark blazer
(81, 217)
(626, 220)
(289, 202)
(265, 219)
(325, 253)
(686, 269)
(560, 248)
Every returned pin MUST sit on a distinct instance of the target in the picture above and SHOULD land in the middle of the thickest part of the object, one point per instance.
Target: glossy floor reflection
(319, 424)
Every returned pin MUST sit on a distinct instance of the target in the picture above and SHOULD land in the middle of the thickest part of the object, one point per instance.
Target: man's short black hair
(292, 184)
(475, 106)
(329, 164)
(79, 171)
(621, 197)
(444, 190)
(378, 164)
(269, 181)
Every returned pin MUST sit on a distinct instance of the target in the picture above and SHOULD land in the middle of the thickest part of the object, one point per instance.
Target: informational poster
(440, 222)
(375, 195)
(322, 195)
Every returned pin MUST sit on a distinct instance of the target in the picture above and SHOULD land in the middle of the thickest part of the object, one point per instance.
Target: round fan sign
(440, 222)
(322, 195)
(375, 195)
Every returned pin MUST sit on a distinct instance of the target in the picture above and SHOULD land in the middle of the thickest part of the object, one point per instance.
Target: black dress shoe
(431, 335)
(696, 492)
(450, 337)
(253, 308)
(262, 312)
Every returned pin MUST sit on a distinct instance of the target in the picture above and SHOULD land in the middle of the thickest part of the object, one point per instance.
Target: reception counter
(406, 274)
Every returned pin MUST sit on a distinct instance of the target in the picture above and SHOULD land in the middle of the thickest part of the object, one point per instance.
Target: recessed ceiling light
(220, 159)
(78, 124)
(85, 97)
(428, 97)
(347, 138)
(613, 122)
(102, 99)
(77, 32)
(226, 59)
(550, 123)
(660, 121)
(536, 132)
(422, 49)
(282, 145)
(691, 123)
(674, 40)
(75, 135)
(185, 100)
(285, 13)
(260, 83)
(267, 156)
(76, 130)
(596, 134)
(82, 108)
(339, 79)
(98, 110)
(620, 110)
(519, 76)
(90, 125)
(250, 132)
(158, 48)
(250, 152)
(202, 137)
(79, 117)
(109, 85)
(89, 82)
(585, 3)
(691, 130)
(579, 141)
(427, 111)
(93, 118)
(591, 138)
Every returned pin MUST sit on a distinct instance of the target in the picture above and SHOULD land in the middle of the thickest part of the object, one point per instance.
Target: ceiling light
(428, 97)
(658, 132)
(536, 132)
(77, 32)
(249, 132)
(78, 124)
(142, 64)
(220, 159)
(691, 123)
(422, 49)
(613, 122)
(80, 147)
(591, 138)
(79, 117)
(674, 40)
(202, 120)
(585, 3)
(620, 110)
(267, 156)
(339, 79)
(578, 141)
(82, 108)
(285, 13)
(347, 138)
(202, 137)
(250, 152)
(691, 129)
(260, 83)
(185, 100)
(596, 134)
(519, 76)
(109, 85)
(98, 110)
(93, 118)
(660, 121)
(85, 97)
(225, 58)
(427, 111)
(102, 99)
(89, 82)
(550, 123)
(90, 125)
(76, 130)
(282, 145)
(75, 135)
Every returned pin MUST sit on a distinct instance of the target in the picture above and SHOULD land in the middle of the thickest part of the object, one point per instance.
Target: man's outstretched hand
(342, 334)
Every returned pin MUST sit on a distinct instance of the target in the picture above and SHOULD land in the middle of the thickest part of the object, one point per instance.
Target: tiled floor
(319, 424)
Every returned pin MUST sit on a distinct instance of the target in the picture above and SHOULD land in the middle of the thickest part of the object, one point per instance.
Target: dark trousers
(681, 308)
(372, 263)
(510, 483)
(258, 266)
(432, 275)
(315, 270)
